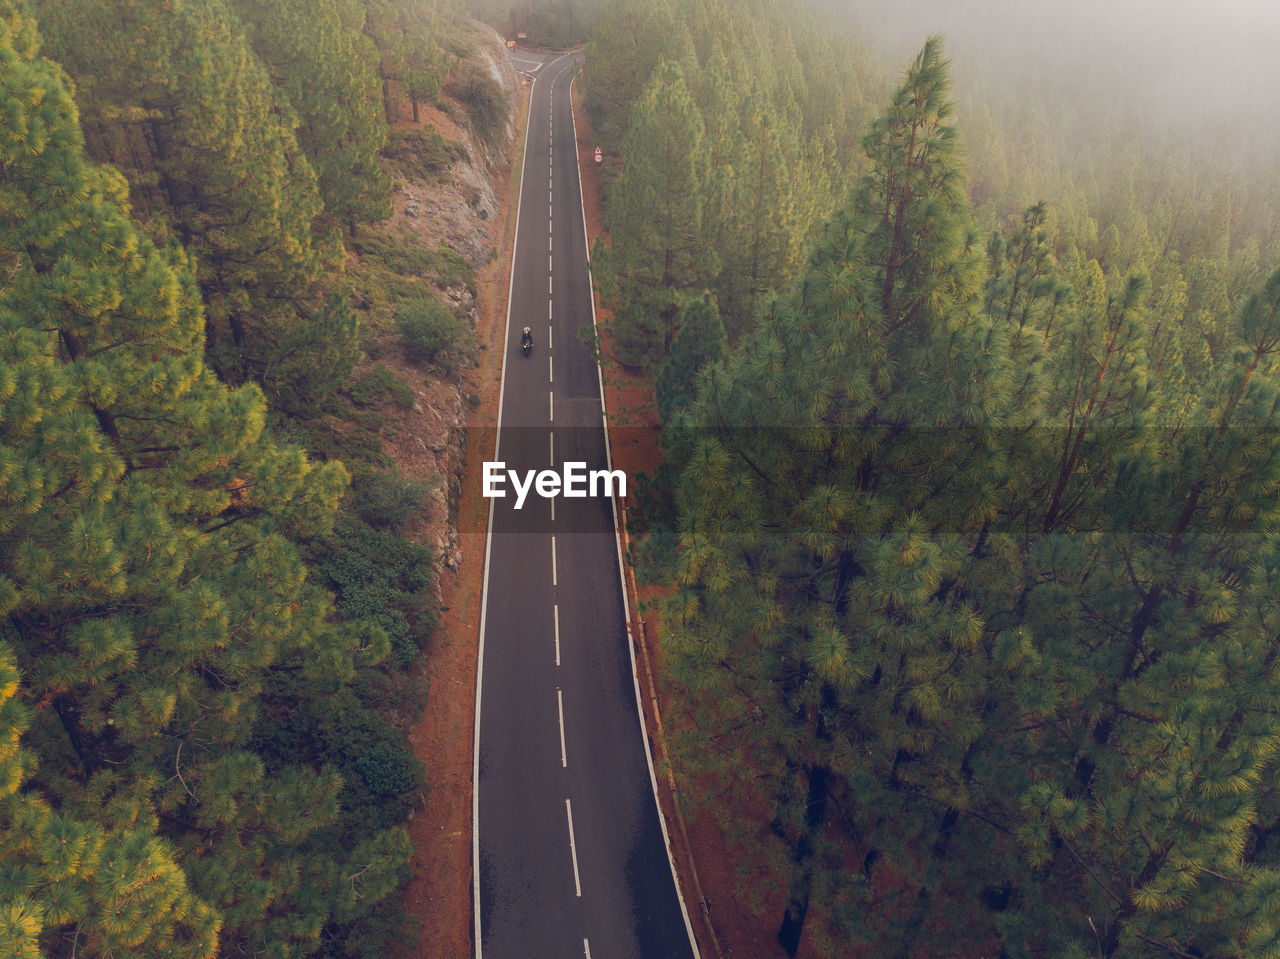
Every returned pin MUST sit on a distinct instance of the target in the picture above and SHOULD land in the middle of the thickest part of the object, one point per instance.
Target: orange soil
(708, 867)
(438, 898)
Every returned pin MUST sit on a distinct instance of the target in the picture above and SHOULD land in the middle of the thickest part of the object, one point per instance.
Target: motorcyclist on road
(526, 339)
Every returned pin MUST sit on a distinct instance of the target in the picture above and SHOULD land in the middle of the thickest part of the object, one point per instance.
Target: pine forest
(965, 533)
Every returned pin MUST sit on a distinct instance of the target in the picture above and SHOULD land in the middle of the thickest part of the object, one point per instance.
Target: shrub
(384, 578)
(385, 499)
(430, 328)
(451, 269)
(484, 100)
(386, 768)
(379, 386)
(423, 152)
(379, 772)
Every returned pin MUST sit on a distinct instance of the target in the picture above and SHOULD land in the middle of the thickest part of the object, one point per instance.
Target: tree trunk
(802, 873)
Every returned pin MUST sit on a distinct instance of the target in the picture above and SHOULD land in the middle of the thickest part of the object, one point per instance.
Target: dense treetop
(973, 555)
(191, 765)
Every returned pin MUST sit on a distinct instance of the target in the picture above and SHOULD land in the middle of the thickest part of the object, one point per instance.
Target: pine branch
(1172, 950)
(1114, 897)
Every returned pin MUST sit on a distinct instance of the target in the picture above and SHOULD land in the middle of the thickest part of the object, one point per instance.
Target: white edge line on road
(573, 850)
(564, 756)
(617, 536)
(488, 547)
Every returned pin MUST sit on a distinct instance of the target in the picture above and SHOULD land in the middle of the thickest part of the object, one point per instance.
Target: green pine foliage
(832, 463)
(760, 144)
(412, 57)
(975, 584)
(182, 103)
(655, 218)
(628, 44)
(430, 327)
(320, 58)
(701, 340)
(153, 595)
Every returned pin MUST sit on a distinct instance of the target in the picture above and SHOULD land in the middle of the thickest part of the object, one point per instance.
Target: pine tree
(149, 586)
(382, 26)
(840, 472)
(1149, 767)
(426, 62)
(319, 56)
(408, 38)
(628, 45)
(765, 222)
(184, 99)
(655, 219)
(701, 341)
(107, 875)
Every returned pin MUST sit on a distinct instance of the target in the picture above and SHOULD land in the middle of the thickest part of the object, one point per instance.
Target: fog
(1203, 71)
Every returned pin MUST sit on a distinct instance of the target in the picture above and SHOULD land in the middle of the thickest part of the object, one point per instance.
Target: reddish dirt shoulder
(438, 899)
(634, 445)
(708, 866)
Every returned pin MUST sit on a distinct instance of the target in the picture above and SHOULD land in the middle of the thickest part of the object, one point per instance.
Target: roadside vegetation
(213, 609)
(968, 504)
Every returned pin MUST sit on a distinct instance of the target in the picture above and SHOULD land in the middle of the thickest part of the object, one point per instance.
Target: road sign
(599, 156)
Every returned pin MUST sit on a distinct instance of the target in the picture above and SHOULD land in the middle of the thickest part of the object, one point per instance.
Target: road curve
(570, 856)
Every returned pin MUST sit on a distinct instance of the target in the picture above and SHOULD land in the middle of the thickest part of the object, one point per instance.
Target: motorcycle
(526, 341)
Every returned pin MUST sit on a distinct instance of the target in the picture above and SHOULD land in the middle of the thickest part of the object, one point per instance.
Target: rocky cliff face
(460, 209)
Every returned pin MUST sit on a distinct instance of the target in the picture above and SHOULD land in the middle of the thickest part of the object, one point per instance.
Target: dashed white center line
(552, 438)
(553, 561)
(551, 375)
(548, 326)
(573, 851)
(555, 617)
(586, 949)
(548, 262)
(564, 756)
(551, 413)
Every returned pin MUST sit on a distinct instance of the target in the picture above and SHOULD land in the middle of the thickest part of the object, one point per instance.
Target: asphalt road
(570, 855)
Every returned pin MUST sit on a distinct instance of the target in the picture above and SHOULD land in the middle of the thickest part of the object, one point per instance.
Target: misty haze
(1207, 71)
(929, 354)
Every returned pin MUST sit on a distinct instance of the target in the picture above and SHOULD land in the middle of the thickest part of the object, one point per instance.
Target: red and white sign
(599, 156)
